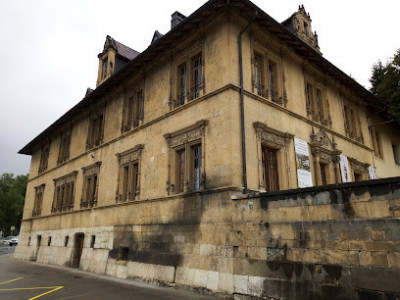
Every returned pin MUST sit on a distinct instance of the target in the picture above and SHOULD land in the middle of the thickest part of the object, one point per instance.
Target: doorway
(78, 247)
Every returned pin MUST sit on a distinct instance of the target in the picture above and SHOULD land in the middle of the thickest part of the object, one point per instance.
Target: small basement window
(92, 241)
(66, 240)
(123, 253)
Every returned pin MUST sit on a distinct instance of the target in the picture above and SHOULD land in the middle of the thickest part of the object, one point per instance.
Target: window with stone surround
(133, 110)
(267, 76)
(90, 185)
(352, 122)
(189, 78)
(317, 103)
(396, 153)
(186, 159)
(65, 141)
(44, 157)
(64, 192)
(326, 157)
(38, 201)
(95, 129)
(272, 154)
(129, 174)
(376, 142)
(359, 170)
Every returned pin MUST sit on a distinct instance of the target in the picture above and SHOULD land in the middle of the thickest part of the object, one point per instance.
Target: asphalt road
(29, 280)
(7, 249)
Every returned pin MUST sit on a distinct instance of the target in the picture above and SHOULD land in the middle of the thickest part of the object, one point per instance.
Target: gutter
(243, 133)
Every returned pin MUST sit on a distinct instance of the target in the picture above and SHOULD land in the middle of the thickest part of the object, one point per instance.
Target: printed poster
(344, 168)
(372, 174)
(304, 177)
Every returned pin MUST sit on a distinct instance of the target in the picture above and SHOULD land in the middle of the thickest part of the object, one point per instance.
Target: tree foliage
(12, 195)
(385, 81)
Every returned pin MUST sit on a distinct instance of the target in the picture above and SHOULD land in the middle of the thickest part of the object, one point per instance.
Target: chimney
(176, 18)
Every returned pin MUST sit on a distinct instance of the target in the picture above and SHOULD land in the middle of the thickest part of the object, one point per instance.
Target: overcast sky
(48, 50)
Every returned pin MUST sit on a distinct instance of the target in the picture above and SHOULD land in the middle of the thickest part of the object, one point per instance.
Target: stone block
(377, 235)
(379, 259)
(185, 276)
(241, 284)
(213, 280)
(378, 209)
(380, 246)
(200, 278)
(255, 286)
(225, 283)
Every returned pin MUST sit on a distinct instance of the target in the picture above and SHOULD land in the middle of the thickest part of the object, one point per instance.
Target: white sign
(303, 166)
(372, 174)
(344, 168)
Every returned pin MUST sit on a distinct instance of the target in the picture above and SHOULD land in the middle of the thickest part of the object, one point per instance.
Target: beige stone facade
(139, 179)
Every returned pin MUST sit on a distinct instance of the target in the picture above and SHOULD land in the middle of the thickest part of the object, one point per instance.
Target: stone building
(183, 165)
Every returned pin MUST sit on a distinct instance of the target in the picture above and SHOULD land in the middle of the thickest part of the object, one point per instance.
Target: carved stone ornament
(272, 137)
(65, 179)
(323, 147)
(358, 166)
(92, 169)
(130, 155)
(186, 135)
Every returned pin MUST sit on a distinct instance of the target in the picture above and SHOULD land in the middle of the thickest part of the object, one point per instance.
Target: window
(49, 241)
(92, 241)
(90, 185)
(66, 240)
(317, 107)
(376, 143)
(104, 68)
(37, 204)
(133, 111)
(272, 81)
(189, 77)
(44, 157)
(352, 123)
(272, 154)
(258, 74)
(95, 130)
(187, 159)
(197, 73)
(123, 253)
(267, 78)
(129, 174)
(306, 30)
(396, 153)
(359, 169)
(181, 84)
(270, 168)
(65, 140)
(64, 193)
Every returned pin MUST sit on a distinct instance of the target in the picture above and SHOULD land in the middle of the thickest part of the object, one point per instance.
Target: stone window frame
(185, 139)
(352, 122)
(325, 152)
(64, 148)
(278, 140)
(65, 183)
(267, 58)
(90, 189)
(318, 112)
(358, 168)
(44, 157)
(133, 108)
(95, 135)
(38, 201)
(376, 142)
(187, 60)
(396, 153)
(127, 159)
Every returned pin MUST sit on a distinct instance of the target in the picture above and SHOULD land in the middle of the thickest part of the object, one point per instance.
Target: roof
(203, 15)
(125, 51)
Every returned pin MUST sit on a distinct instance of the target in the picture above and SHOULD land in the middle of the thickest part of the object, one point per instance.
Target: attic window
(104, 68)
(305, 24)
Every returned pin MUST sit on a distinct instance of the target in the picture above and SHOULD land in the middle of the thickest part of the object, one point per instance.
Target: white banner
(372, 174)
(344, 168)
(304, 177)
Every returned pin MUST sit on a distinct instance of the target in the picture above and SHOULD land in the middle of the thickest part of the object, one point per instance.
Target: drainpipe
(242, 104)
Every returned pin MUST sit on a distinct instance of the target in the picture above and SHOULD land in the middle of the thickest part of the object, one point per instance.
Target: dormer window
(104, 71)
(306, 30)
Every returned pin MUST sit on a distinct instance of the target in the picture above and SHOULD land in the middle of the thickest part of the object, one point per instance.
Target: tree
(385, 81)
(12, 195)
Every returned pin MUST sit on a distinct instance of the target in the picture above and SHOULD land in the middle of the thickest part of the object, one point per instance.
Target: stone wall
(339, 241)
